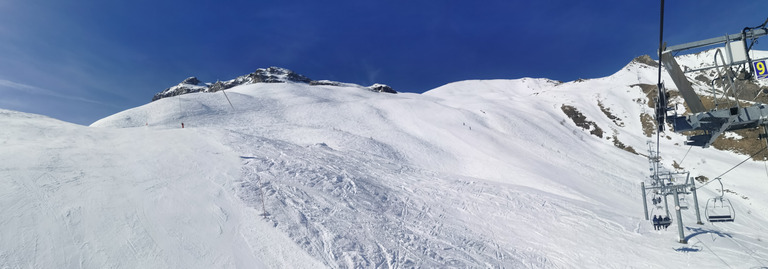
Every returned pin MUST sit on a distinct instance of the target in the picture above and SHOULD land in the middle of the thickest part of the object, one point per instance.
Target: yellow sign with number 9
(760, 69)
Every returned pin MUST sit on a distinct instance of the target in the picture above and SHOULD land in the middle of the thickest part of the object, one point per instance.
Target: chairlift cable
(713, 253)
(746, 250)
(766, 168)
(686, 155)
(659, 125)
(661, 36)
(754, 41)
(734, 167)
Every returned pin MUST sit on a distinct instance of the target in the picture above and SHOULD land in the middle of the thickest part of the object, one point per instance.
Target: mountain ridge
(261, 75)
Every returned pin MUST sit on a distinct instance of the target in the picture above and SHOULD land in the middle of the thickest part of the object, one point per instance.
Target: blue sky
(80, 61)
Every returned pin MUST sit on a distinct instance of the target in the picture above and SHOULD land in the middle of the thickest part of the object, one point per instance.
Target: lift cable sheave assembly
(711, 123)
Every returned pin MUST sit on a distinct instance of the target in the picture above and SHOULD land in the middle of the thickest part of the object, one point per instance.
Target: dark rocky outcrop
(645, 59)
(189, 85)
(381, 88)
(326, 83)
(191, 81)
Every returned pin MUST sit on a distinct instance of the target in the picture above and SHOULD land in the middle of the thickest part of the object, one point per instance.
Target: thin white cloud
(371, 72)
(40, 91)
(14, 85)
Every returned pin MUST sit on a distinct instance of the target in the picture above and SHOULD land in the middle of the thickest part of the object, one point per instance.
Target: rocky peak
(191, 81)
(381, 88)
(277, 75)
(261, 75)
(645, 59)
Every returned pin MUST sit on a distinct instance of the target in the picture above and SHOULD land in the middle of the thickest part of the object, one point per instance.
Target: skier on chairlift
(655, 222)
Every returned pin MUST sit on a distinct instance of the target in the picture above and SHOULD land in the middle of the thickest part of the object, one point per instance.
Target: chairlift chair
(657, 202)
(666, 221)
(719, 209)
(683, 203)
(663, 220)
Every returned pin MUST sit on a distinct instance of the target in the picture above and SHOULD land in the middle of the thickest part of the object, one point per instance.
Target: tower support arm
(755, 33)
(682, 83)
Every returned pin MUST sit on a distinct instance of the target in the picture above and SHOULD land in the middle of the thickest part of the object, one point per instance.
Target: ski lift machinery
(711, 123)
(714, 122)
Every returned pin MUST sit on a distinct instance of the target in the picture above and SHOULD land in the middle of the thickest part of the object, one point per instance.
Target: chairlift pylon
(719, 209)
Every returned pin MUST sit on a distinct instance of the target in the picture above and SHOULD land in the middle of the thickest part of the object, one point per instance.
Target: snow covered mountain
(261, 75)
(524, 173)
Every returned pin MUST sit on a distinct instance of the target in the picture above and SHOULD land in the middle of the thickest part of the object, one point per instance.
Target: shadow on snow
(697, 231)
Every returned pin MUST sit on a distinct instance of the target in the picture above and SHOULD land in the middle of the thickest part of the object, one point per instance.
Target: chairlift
(666, 221)
(719, 209)
(683, 203)
(662, 222)
(657, 201)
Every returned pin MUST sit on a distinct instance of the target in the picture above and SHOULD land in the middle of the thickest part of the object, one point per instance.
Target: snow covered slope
(491, 173)
(79, 197)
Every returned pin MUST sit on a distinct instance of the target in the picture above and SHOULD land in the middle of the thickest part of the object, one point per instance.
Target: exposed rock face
(378, 87)
(189, 85)
(191, 81)
(276, 75)
(326, 83)
(381, 88)
(645, 59)
(261, 75)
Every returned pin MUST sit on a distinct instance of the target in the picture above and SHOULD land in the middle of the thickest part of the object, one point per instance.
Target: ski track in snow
(349, 211)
